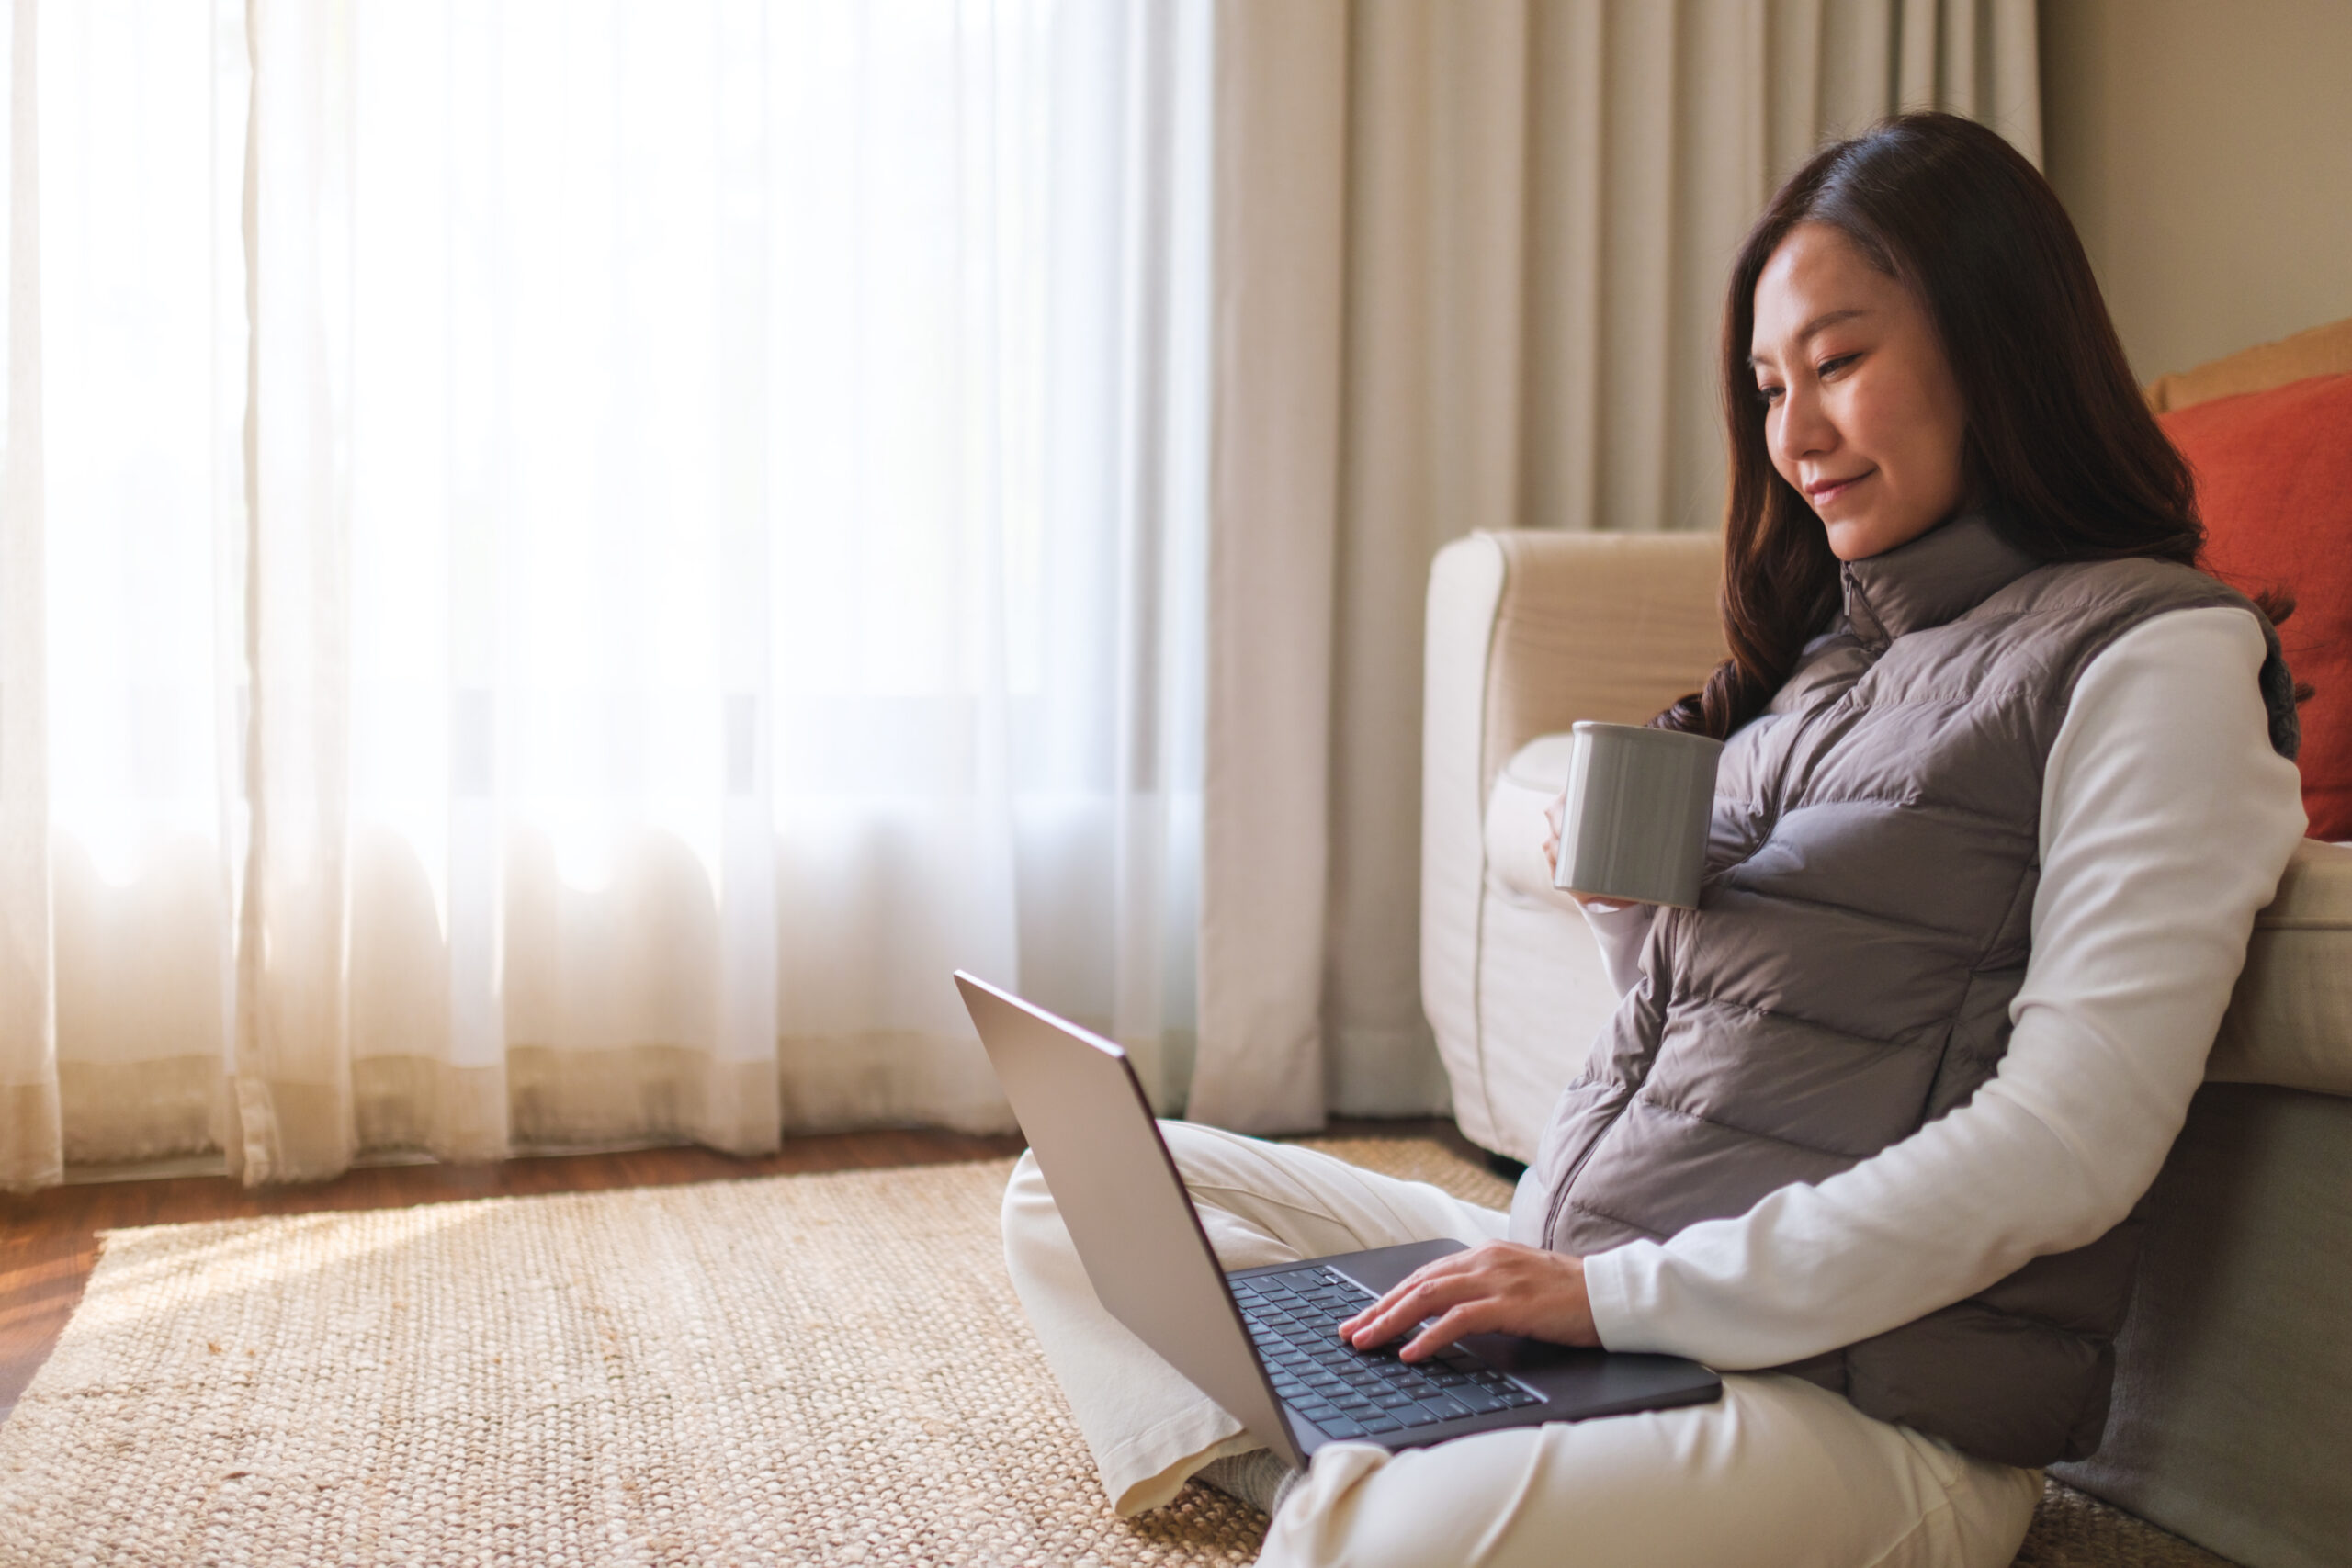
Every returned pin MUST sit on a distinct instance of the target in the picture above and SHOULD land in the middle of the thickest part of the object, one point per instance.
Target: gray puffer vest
(1847, 977)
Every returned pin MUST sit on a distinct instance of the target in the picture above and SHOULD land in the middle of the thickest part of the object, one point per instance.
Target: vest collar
(1937, 578)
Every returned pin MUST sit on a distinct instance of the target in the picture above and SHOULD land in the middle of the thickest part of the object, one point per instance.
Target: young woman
(2006, 781)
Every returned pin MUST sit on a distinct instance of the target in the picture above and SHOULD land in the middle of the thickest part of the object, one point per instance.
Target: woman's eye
(1768, 396)
(1831, 367)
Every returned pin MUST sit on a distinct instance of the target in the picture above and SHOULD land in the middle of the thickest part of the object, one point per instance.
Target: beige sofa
(2233, 1420)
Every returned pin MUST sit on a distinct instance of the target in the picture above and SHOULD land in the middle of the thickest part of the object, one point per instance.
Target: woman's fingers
(1449, 1309)
(1385, 1319)
(1420, 1294)
(1469, 1317)
(1381, 1310)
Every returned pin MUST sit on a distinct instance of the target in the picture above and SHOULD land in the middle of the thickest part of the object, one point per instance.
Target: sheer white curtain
(592, 552)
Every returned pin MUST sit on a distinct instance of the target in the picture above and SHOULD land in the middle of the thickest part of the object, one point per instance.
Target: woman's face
(1861, 413)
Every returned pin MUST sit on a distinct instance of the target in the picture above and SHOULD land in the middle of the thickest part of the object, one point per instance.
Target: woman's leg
(1778, 1471)
(1260, 1203)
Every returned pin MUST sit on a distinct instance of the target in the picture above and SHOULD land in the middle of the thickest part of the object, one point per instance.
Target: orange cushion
(2274, 480)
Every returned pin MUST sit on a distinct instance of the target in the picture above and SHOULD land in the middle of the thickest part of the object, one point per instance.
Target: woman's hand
(1501, 1287)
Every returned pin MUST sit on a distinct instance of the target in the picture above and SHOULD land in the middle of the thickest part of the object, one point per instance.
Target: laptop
(1263, 1342)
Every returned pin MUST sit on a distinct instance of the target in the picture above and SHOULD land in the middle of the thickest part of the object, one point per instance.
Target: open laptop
(1263, 1342)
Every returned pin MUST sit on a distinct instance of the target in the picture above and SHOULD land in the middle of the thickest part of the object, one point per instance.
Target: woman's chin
(1852, 539)
(1859, 538)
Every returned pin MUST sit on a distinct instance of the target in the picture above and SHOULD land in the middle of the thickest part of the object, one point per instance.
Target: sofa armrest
(1528, 632)
(1609, 626)
(2289, 1022)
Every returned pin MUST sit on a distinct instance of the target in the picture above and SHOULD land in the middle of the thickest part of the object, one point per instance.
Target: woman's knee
(1211, 1154)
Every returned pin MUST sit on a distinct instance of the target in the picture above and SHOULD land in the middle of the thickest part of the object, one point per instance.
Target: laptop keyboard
(1295, 1318)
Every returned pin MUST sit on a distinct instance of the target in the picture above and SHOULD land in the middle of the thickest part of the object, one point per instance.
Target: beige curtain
(1469, 263)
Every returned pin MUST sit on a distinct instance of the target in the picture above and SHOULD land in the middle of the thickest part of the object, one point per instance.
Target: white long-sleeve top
(2166, 820)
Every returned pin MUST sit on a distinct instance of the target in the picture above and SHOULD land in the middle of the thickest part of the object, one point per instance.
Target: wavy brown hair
(2057, 432)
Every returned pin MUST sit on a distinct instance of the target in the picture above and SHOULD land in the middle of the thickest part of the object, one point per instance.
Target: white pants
(1778, 1471)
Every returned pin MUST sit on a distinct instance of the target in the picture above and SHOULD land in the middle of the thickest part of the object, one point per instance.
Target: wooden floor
(49, 1240)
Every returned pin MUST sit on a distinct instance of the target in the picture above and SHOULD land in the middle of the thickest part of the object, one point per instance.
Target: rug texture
(810, 1368)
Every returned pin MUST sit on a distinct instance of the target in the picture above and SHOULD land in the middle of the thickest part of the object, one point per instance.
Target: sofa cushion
(1529, 782)
(1540, 984)
(2290, 1022)
(2274, 481)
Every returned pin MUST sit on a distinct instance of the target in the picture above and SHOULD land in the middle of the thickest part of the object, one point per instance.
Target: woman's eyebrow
(1815, 327)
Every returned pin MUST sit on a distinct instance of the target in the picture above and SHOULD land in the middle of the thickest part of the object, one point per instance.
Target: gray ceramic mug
(1634, 827)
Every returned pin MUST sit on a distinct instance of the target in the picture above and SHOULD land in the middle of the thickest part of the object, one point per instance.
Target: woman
(2005, 782)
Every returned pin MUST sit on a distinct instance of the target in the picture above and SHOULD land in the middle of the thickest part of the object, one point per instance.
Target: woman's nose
(1804, 429)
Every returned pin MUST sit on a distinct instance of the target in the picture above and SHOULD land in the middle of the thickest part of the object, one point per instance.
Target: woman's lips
(1821, 492)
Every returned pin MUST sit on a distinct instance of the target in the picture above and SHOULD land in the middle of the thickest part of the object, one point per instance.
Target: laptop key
(1340, 1426)
(1380, 1423)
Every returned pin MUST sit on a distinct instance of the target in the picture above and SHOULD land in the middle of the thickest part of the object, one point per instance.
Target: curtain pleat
(292, 1061)
(31, 1134)
(1543, 197)
(1278, 268)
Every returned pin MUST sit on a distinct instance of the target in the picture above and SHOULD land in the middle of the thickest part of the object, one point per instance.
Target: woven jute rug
(813, 1369)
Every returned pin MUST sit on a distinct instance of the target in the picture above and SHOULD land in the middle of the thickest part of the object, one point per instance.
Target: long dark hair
(2057, 430)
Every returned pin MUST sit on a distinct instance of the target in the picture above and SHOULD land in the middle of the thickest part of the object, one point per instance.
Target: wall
(2205, 151)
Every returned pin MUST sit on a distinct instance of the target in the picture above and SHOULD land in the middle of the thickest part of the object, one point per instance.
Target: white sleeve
(2166, 820)
(1620, 929)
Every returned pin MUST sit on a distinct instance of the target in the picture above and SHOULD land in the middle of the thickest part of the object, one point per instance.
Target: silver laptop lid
(1087, 1120)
